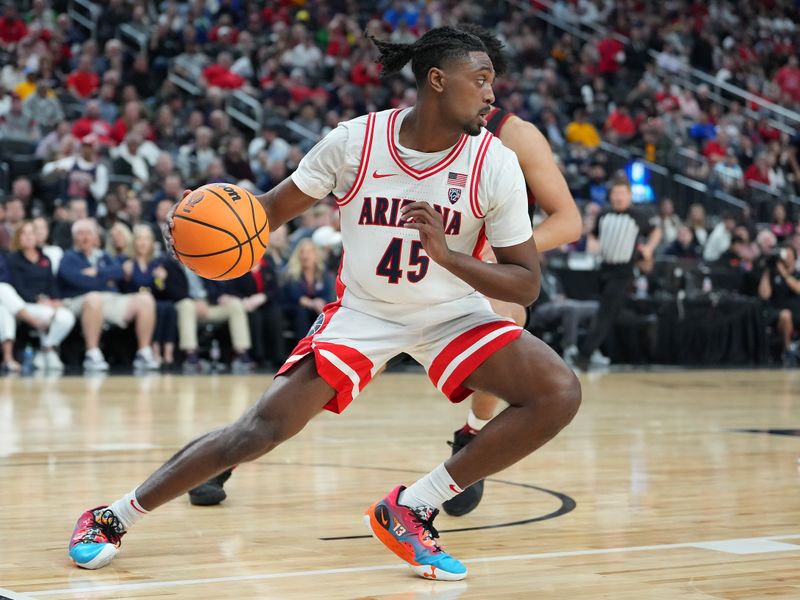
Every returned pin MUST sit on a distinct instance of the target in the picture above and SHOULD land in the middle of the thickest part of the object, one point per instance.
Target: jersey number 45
(389, 265)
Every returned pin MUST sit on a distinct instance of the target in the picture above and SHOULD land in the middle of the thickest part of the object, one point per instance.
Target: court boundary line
(370, 568)
(9, 595)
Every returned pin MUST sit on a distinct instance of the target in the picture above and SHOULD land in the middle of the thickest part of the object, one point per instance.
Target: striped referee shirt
(618, 233)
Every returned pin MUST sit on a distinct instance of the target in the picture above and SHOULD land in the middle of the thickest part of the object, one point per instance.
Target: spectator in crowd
(596, 187)
(93, 123)
(83, 81)
(667, 221)
(781, 226)
(89, 280)
(119, 242)
(147, 273)
(554, 308)
(684, 245)
(210, 302)
(728, 174)
(220, 75)
(308, 287)
(63, 219)
(619, 127)
(696, 220)
(758, 172)
(12, 27)
(582, 132)
(132, 116)
(83, 176)
(34, 281)
(260, 293)
(780, 287)
(22, 189)
(14, 215)
(236, 163)
(44, 107)
(41, 231)
(8, 327)
(18, 124)
(131, 159)
(195, 158)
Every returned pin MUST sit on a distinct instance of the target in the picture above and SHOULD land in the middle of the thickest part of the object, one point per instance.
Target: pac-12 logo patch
(453, 194)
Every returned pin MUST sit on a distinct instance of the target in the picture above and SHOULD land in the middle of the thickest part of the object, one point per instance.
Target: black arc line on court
(568, 504)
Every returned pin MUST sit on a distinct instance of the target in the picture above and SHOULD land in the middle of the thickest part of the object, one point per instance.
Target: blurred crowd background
(108, 111)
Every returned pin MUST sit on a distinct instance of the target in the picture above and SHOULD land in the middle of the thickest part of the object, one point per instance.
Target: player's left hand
(166, 229)
(422, 217)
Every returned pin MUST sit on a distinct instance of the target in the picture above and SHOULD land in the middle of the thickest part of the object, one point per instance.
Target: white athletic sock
(128, 509)
(474, 422)
(430, 491)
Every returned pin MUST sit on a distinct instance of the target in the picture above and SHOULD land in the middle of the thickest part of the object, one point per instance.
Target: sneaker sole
(105, 556)
(207, 499)
(404, 552)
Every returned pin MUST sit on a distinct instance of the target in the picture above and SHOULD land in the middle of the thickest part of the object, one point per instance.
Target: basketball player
(546, 187)
(562, 226)
(419, 190)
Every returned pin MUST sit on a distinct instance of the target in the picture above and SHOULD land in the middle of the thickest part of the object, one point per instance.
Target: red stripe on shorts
(458, 345)
(453, 389)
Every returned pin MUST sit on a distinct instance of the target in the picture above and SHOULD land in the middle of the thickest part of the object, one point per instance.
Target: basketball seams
(237, 245)
(241, 222)
(204, 262)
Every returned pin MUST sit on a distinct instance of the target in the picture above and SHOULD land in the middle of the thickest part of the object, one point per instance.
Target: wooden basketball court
(651, 493)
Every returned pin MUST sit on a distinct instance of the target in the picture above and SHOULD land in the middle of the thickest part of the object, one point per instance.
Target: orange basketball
(220, 231)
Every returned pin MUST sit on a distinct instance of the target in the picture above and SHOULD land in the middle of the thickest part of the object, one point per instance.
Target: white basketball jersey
(385, 261)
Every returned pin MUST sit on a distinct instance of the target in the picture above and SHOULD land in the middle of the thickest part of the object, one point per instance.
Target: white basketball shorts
(450, 340)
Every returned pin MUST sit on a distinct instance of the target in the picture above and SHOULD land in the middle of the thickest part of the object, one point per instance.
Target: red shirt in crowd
(12, 31)
(753, 173)
(222, 78)
(609, 48)
(714, 148)
(85, 84)
(85, 125)
(622, 124)
(788, 79)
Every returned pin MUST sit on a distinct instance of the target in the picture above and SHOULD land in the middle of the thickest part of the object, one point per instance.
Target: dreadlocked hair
(433, 49)
(494, 47)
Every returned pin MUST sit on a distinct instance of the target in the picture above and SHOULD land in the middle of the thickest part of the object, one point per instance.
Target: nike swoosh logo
(136, 509)
(377, 175)
(455, 489)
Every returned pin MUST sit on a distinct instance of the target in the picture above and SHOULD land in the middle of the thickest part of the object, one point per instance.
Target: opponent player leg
(483, 407)
(285, 408)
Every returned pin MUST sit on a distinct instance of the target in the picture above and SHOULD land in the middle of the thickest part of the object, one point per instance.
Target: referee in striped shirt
(619, 230)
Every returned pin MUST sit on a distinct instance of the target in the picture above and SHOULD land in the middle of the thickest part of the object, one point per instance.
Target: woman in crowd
(38, 301)
(120, 241)
(308, 287)
(781, 226)
(144, 271)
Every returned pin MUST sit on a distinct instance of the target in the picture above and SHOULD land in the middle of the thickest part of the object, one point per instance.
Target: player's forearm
(284, 202)
(558, 229)
(508, 282)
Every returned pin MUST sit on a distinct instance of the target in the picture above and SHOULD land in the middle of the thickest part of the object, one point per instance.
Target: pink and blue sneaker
(410, 534)
(96, 538)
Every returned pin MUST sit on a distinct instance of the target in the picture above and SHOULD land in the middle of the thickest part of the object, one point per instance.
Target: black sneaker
(469, 499)
(210, 492)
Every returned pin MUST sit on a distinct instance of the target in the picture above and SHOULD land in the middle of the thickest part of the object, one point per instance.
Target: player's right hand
(166, 229)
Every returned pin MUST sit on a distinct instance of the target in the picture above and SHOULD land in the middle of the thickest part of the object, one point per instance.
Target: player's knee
(254, 435)
(563, 400)
(571, 396)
